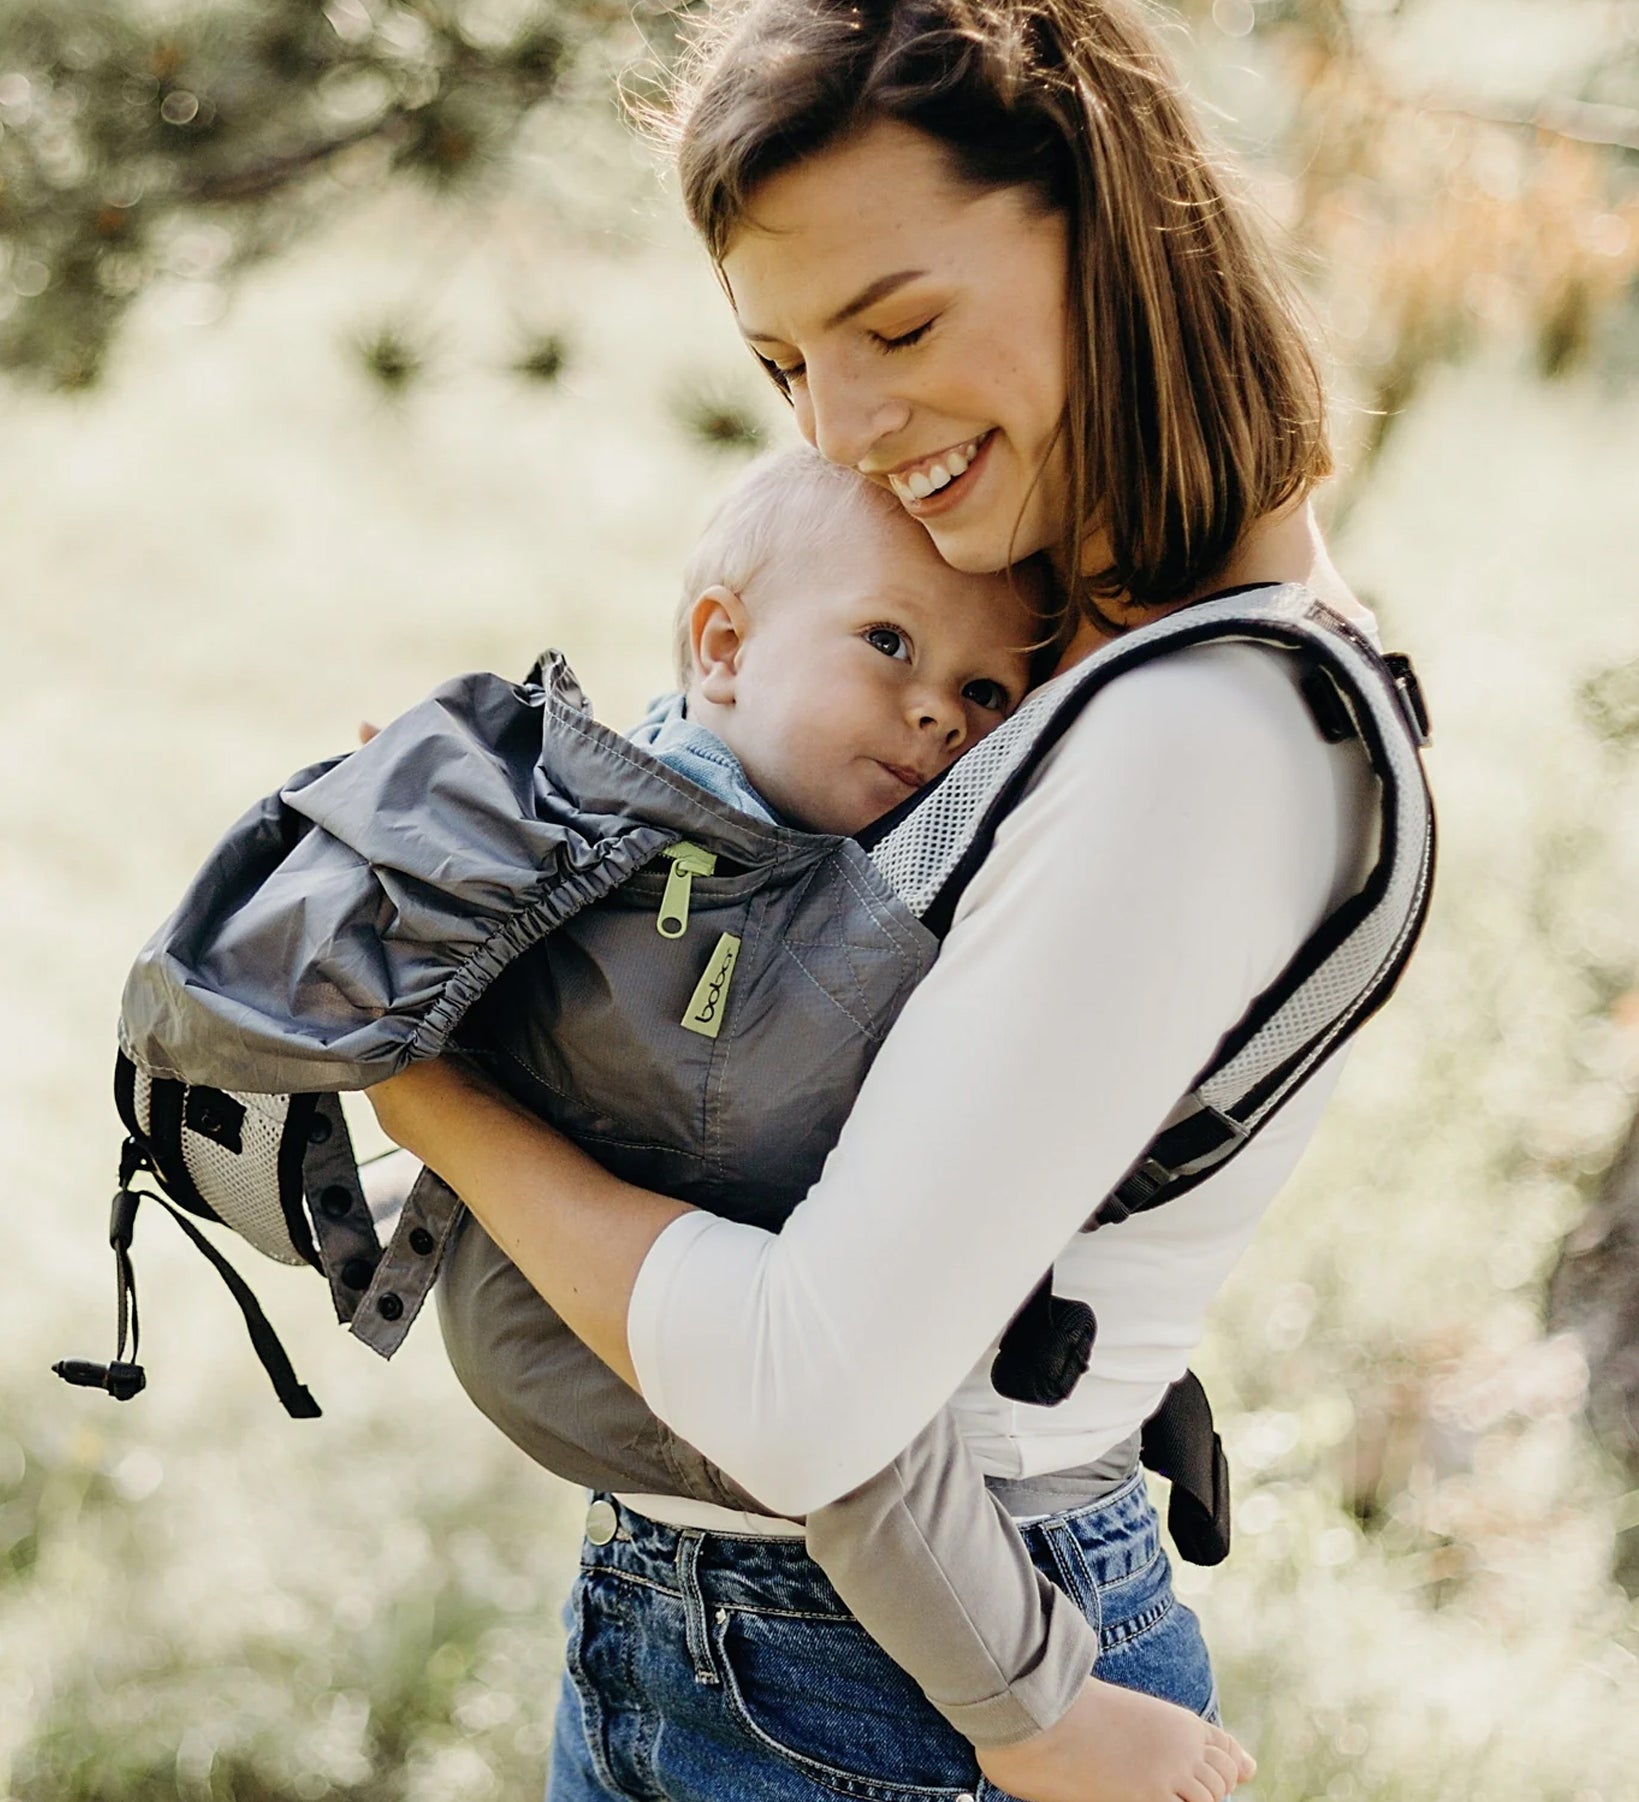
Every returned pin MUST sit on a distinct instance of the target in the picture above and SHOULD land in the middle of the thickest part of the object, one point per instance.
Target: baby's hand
(1118, 1745)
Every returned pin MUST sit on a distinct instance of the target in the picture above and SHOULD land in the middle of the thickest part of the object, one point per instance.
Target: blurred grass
(218, 566)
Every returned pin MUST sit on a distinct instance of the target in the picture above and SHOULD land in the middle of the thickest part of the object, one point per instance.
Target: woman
(978, 245)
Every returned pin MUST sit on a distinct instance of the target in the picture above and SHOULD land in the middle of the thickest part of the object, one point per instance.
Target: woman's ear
(718, 627)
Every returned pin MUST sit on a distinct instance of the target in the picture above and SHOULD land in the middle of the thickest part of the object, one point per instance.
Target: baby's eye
(987, 694)
(890, 641)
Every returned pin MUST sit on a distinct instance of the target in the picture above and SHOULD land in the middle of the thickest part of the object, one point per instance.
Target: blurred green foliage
(392, 356)
(719, 421)
(137, 145)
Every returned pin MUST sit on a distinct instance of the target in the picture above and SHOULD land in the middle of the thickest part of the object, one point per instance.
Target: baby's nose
(942, 718)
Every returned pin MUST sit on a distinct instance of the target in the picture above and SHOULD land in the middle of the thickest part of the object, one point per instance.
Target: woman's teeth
(920, 483)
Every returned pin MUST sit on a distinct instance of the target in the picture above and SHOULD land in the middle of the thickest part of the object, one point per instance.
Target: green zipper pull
(687, 861)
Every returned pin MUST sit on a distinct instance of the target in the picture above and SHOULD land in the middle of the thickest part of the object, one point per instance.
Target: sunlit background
(349, 346)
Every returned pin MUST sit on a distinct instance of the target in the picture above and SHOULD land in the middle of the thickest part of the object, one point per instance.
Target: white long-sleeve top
(1186, 836)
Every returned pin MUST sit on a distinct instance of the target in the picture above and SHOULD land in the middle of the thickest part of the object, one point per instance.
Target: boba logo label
(709, 1001)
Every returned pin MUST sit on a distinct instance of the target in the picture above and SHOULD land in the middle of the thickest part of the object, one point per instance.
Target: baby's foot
(1118, 1745)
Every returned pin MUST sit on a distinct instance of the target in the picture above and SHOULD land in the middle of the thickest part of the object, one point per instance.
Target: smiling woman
(1019, 191)
(939, 381)
(980, 246)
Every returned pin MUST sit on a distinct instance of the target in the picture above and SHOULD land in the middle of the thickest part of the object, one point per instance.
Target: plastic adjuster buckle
(1129, 1195)
(1409, 692)
(1238, 1131)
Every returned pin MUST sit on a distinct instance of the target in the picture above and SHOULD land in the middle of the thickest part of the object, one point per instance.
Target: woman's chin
(991, 530)
(977, 547)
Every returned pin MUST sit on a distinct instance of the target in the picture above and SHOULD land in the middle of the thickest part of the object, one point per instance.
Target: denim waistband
(1062, 1491)
(1117, 1534)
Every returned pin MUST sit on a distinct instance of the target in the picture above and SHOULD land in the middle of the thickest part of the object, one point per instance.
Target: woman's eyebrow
(880, 289)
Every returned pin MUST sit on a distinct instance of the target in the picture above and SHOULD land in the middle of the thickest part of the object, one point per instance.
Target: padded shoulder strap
(1337, 979)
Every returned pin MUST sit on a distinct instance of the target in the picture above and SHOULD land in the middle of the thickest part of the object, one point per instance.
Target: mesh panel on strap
(241, 1188)
(918, 855)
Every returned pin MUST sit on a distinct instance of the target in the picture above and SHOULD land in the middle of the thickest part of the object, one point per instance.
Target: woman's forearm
(577, 1233)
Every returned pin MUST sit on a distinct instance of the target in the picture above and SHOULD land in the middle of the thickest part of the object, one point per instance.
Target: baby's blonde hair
(780, 507)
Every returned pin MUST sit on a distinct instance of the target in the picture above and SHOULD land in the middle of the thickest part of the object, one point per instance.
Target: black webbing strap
(121, 1377)
(1181, 1444)
(124, 1378)
(298, 1401)
(121, 1224)
(1157, 1175)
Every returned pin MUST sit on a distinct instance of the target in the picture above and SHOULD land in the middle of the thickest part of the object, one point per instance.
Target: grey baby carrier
(439, 886)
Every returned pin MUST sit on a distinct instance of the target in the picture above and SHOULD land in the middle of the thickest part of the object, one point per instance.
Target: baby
(832, 665)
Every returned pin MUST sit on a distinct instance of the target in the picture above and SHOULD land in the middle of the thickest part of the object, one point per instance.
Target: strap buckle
(1130, 1195)
(1409, 692)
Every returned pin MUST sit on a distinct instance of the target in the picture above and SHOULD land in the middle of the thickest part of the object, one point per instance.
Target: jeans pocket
(596, 1641)
(1153, 1642)
(821, 1695)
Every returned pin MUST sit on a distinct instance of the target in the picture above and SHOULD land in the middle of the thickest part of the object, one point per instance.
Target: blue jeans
(705, 1667)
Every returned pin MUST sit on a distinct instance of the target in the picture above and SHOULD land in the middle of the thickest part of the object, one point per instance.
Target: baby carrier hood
(348, 921)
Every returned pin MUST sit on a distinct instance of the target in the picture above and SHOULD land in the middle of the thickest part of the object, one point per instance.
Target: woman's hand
(577, 1233)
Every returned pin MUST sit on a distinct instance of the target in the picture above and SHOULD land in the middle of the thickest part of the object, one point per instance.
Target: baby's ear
(717, 634)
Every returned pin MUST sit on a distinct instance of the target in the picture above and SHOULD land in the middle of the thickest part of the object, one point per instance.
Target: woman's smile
(935, 484)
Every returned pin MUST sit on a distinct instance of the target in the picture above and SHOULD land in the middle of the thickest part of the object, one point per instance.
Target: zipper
(687, 861)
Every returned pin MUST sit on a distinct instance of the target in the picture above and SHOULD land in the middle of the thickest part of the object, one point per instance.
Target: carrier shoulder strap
(930, 848)
(1345, 970)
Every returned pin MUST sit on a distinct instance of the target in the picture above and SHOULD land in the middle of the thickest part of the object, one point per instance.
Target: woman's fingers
(367, 732)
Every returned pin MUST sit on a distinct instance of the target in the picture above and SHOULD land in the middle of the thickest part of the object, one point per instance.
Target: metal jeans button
(601, 1522)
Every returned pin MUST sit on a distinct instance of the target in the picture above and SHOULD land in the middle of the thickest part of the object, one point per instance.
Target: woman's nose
(845, 415)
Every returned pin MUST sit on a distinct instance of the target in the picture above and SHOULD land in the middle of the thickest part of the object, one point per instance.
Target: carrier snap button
(335, 1203)
(356, 1273)
(421, 1241)
(389, 1306)
(601, 1522)
(318, 1130)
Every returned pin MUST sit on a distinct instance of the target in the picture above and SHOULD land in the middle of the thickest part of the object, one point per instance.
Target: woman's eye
(906, 339)
(987, 694)
(783, 374)
(890, 641)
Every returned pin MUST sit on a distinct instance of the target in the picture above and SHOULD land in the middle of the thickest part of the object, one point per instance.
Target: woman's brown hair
(1195, 406)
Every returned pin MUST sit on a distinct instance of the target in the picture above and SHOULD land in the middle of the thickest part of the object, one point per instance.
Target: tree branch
(258, 180)
(1582, 121)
